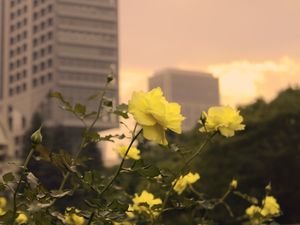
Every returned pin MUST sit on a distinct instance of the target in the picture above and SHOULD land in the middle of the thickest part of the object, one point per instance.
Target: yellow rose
(139, 202)
(224, 119)
(270, 206)
(133, 153)
(252, 210)
(72, 218)
(21, 218)
(152, 111)
(3, 203)
(124, 223)
(184, 181)
(234, 184)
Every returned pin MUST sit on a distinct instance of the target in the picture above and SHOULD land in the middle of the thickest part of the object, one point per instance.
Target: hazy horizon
(253, 47)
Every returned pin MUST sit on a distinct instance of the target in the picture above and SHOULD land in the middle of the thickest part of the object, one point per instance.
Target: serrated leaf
(44, 153)
(8, 177)
(118, 206)
(80, 109)
(36, 206)
(107, 102)
(122, 114)
(32, 180)
(149, 171)
(60, 194)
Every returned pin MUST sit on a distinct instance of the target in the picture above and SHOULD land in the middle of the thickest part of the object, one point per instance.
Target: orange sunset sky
(252, 46)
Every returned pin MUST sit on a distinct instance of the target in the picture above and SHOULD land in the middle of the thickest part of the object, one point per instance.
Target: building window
(11, 53)
(25, 8)
(35, 28)
(42, 80)
(18, 37)
(49, 49)
(24, 87)
(42, 52)
(49, 76)
(50, 35)
(18, 76)
(12, 16)
(42, 65)
(25, 34)
(18, 89)
(50, 8)
(42, 25)
(12, 28)
(34, 82)
(18, 50)
(24, 60)
(50, 63)
(34, 69)
(35, 15)
(19, 12)
(23, 122)
(35, 2)
(24, 47)
(12, 40)
(11, 92)
(11, 79)
(24, 73)
(43, 12)
(35, 42)
(50, 21)
(10, 123)
(11, 66)
(35, 55)
(42, 38)
(12, 3)
(24, 21)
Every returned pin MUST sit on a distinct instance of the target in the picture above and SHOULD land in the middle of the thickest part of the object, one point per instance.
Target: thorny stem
(25, 165)
(186, 164)
(121, 165)
(67, 175)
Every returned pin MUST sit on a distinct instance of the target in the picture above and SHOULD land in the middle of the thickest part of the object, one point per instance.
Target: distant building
(194, 91)
(54, 45)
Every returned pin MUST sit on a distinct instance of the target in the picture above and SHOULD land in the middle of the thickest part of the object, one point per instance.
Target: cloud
(133, 79)
(243, 81)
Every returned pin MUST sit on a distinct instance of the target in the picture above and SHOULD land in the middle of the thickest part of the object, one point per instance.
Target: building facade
(194, 91)
(68, 46)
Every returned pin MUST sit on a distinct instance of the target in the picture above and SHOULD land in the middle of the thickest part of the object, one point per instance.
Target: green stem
(186, 164)
(120, 166)
(25, 165)
(91, 218)
(67, 175)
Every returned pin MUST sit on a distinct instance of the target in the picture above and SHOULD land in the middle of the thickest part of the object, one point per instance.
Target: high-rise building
(68, 46)
(194, 91)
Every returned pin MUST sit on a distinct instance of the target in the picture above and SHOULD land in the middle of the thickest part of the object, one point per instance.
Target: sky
(252, 46)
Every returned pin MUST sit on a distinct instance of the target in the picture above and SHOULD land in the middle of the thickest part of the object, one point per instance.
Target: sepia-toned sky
(252, 46)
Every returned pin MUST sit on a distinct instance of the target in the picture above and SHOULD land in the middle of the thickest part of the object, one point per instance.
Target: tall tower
(54, 45)
(194, 91)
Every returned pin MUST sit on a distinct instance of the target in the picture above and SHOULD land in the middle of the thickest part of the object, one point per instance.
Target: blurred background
(200, 52)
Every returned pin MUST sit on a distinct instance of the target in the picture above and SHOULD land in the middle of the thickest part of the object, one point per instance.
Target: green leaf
(122, 110)
(8, 177)
(149, 171)
(80, 109)
(32, 180)
(60, 194)
(43, 152)
(122, 114)
(118, 206)
(107, 102)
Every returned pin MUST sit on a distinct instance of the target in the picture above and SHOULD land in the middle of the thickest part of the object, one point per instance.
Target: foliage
(142, 190)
